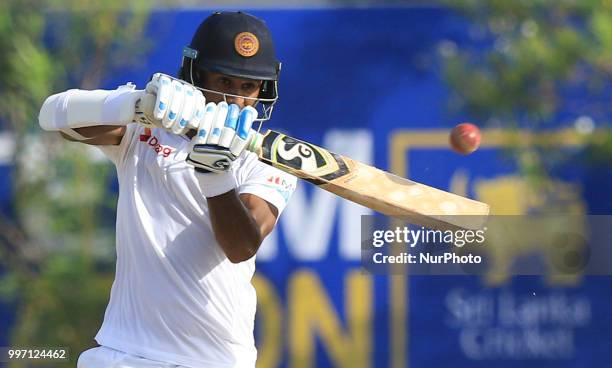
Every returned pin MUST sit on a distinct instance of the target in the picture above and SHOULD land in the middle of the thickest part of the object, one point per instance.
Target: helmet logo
(246, 44)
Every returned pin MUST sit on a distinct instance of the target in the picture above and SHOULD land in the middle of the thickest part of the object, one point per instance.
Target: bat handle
(254, 142)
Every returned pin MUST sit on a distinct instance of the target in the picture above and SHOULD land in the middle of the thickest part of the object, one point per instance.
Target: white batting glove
(178, 105)
(222, 136)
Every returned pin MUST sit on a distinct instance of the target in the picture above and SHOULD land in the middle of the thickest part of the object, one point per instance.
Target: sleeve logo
(282, 186)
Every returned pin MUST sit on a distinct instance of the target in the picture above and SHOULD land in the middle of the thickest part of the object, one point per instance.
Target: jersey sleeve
(267, 182)
(117, 153)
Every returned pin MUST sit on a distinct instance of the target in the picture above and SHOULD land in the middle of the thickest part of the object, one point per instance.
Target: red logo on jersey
(279, 182)
(153, 142)
(281, 185)
(147, 134)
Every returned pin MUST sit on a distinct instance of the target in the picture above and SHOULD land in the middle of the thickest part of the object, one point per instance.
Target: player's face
(231, 85)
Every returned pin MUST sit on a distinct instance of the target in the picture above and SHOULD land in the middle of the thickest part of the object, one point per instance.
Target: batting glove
(178, 106)
(222, 136)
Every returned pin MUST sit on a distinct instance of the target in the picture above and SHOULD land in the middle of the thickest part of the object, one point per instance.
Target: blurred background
(380, 81)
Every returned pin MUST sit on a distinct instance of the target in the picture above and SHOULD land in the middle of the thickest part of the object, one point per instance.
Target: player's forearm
(235, 228)
(95, 131)
(100, 135)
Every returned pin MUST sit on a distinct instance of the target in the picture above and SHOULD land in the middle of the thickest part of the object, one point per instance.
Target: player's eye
(248, 87)
(225, 82)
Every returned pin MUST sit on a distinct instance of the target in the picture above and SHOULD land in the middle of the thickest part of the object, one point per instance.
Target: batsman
(194, 205)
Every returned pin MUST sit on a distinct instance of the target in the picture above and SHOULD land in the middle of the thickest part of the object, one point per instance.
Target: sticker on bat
(315, 161)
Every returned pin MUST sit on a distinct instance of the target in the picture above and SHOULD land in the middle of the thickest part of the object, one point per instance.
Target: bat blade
(368, 186)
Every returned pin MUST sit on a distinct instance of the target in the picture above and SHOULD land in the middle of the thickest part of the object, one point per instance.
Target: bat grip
(254, 142)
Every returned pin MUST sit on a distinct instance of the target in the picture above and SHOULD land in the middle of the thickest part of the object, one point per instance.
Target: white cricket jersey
(176, 297)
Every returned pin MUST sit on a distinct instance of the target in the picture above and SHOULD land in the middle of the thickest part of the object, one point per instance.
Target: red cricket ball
(465, 138)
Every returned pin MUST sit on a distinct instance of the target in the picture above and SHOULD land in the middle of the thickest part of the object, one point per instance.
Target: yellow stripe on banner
(312, 315)
(398, 288)
(270, 313)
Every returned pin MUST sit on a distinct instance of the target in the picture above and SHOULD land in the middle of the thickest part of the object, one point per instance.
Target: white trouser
(103, 357)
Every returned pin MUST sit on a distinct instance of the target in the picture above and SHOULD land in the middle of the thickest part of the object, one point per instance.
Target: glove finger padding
(186, 113)
(176, 104)
(200, 106)
(229, 127)
(217, 123)
(160, 86)
(243, 130)
(206, 123)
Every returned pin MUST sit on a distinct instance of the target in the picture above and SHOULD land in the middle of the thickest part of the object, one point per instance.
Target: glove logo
(222, 164)
(246, 44)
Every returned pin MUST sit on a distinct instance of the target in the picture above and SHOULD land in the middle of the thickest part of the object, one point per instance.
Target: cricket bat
(360, 183)
(368, 186)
